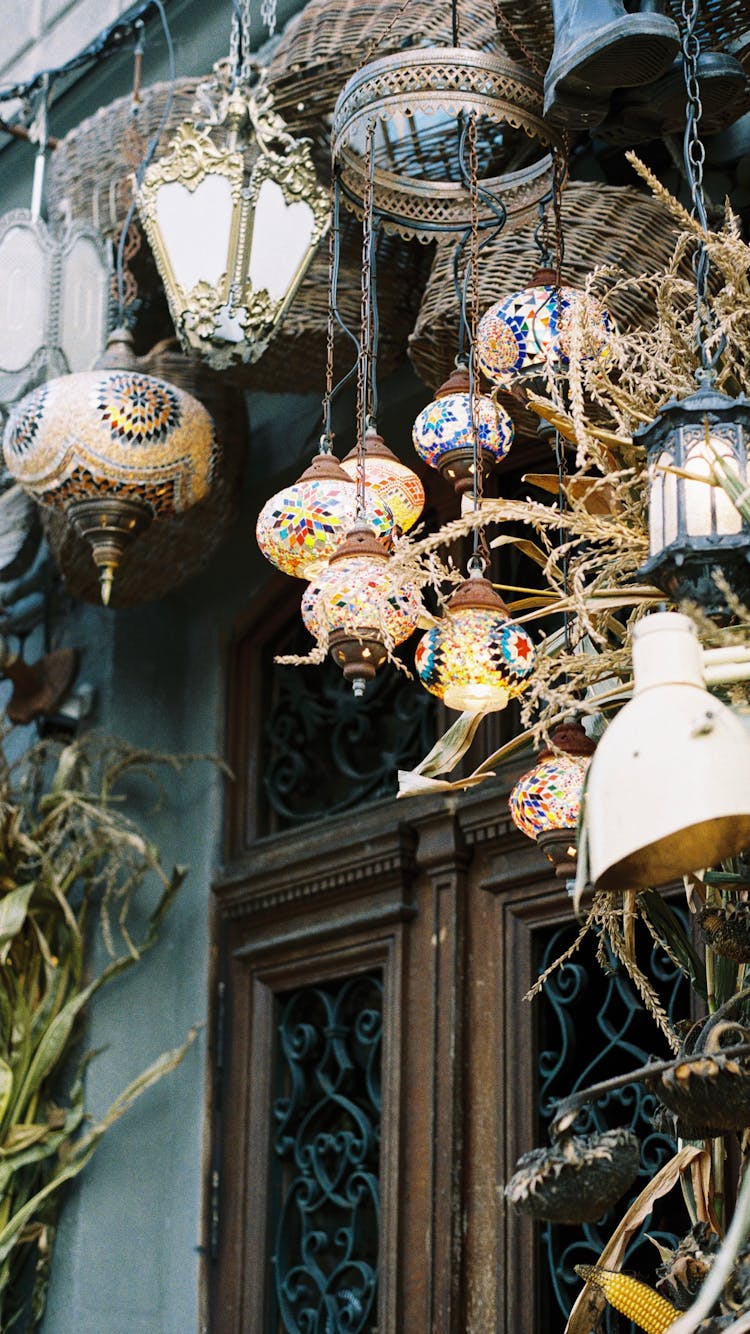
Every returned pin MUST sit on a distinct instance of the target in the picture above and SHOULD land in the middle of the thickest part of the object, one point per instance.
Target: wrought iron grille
(326, 1197)
(325, 751)
(592, 1026)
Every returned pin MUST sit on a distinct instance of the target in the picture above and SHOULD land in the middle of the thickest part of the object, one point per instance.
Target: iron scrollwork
(593, 1025)
(327, 1149)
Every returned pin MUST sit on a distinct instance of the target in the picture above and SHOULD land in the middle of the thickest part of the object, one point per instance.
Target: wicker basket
(295, 359)
(327, 42)
(171, 551)
(90, 171)
(603, 224)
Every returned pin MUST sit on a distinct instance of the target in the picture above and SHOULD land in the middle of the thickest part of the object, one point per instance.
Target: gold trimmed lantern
(233, 223)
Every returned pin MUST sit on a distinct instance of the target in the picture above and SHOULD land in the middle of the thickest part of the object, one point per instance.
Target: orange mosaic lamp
(545, 803)
(114, 449)
(388, 478)
(354, 608)
(475, 657)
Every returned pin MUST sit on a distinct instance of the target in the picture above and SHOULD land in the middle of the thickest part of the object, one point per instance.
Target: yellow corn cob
(646, 1308)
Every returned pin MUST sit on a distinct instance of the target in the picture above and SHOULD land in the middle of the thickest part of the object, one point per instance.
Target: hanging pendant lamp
(545, 803)
(528, 333)
(443, 433)
(388, 478)
(114, 450)
(300, 528)
(476, 657)
(354, 608)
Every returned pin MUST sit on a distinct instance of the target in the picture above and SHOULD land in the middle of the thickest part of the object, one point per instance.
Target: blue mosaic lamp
(475, 657)
(443, 433)
(526, 333)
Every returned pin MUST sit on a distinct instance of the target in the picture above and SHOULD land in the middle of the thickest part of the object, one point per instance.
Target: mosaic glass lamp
(524, 334)
(545, 803)
(113, 449)
(388, 478)
(301, 527)
(443, 434)
(354, 607)
(476, 657)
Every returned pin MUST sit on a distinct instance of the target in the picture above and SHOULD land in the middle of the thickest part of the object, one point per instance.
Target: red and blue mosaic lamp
(476, 657)
(354, 609)
(444, 431)
(113, 449)
(300, 528)
(545, 803)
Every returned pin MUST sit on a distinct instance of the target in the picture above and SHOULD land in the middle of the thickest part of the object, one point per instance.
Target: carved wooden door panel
(381, 1071)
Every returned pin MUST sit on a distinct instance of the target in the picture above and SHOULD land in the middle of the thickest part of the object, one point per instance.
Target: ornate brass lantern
(233, 224)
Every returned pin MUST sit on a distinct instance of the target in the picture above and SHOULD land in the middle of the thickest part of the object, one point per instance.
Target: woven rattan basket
(295, 359)
(172, 551)
(90, 171)
(603, 224)
(327, 42)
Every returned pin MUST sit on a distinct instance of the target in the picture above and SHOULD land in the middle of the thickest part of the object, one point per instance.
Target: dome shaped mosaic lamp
(545, 803)
(388, 478)
(300, 528)
(354, 607)
(476, 657)
(113, 450)
(443, 432)
(528, 332)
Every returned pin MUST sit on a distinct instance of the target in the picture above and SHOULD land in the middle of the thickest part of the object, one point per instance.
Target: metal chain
(326, 441)
(503, 21)
(480, 552)
(694, 155)
(364, 389)
(268, 15)
(239, 42)
(542, 233)
(372, 48)
(559, 181)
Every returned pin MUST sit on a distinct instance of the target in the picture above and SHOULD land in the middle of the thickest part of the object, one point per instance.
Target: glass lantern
(694, 528)
(443, 433)
(475, 658)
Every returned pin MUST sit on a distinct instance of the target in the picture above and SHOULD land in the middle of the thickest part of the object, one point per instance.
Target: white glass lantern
(694, 528)
(233, 226)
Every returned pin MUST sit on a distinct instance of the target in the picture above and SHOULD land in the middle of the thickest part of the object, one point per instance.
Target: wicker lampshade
(604, 224)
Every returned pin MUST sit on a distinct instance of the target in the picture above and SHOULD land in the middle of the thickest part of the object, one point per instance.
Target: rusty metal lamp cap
(360, 541)
(476, 592)
(325, 467)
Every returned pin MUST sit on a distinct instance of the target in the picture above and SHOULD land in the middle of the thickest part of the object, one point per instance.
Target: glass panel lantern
(233, 226)
(694, 529)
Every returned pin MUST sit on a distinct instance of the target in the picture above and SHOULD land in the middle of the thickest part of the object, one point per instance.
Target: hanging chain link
(694, 155)
(268, 15)
(364, 364)
(503, 23)
(326, 442)
(480, 553)
(559, 181)
(239, 42)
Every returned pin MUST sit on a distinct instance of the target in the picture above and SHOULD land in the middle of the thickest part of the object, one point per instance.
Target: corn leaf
(669, 928)
(13, 909)
(590, 1303)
